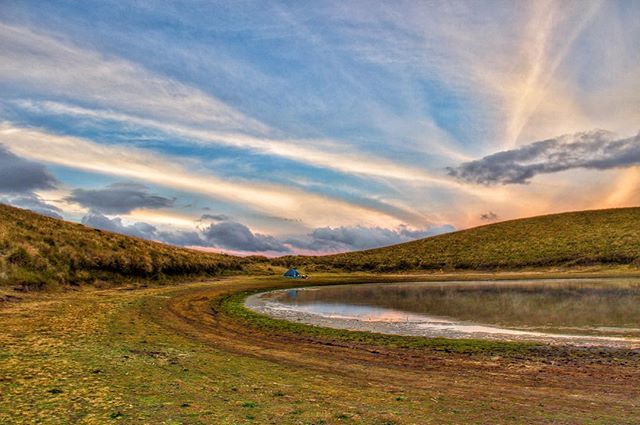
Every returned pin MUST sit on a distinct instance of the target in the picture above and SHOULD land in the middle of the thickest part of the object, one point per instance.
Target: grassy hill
(601, 237)
(38, 251)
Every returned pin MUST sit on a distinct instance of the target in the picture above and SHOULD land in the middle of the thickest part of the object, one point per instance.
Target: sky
(316, 127)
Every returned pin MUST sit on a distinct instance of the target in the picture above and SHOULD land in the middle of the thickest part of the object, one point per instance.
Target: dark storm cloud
(19, 175)
(359, 237)
(236, 236)
(119, 198)
(593, 150)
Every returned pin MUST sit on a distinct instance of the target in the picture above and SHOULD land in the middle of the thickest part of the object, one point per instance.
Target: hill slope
(601, 237)
(37, 251)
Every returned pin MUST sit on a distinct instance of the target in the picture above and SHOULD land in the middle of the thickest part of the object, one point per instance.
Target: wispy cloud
(291, 118)
(323, 153)
(550, 34)
(506, 62)
(54, 66)
(124, 91)
(143, 165)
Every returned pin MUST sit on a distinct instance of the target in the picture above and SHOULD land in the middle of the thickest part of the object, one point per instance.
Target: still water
(585, 311)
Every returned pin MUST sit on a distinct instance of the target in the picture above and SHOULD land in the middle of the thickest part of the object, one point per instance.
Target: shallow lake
(576, 311)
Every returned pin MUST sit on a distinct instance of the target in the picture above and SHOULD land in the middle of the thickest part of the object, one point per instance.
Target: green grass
(121, 357)
(584, 238)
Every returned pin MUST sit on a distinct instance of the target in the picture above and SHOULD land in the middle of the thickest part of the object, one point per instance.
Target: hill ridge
(38, 251)
(591, 237)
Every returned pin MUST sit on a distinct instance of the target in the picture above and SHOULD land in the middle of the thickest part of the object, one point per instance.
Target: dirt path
(164, 355)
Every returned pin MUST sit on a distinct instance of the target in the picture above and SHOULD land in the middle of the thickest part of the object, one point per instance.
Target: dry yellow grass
(38, 252)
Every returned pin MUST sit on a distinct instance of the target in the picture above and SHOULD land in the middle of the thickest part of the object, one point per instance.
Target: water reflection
(360, 312)
(597, 309)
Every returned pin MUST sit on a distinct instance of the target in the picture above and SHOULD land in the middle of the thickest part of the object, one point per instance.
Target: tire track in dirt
(569, 383)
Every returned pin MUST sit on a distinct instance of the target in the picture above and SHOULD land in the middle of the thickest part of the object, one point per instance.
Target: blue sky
(317, 126)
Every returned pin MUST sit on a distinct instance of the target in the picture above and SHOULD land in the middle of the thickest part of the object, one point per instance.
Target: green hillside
(601, 237)
(38, 251)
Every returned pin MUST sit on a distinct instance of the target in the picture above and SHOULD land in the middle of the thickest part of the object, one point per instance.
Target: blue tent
(292, 273)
